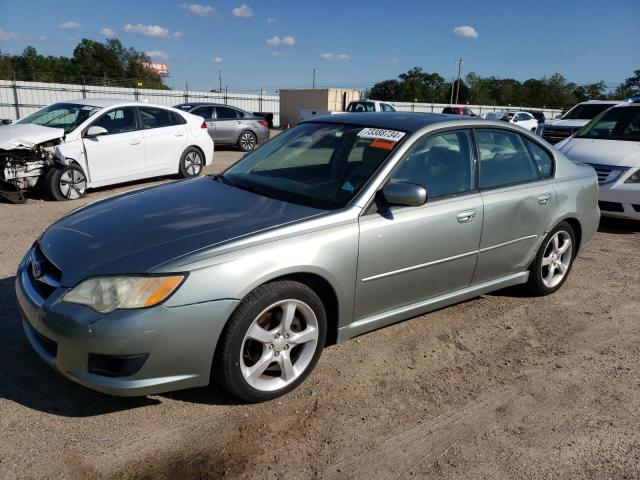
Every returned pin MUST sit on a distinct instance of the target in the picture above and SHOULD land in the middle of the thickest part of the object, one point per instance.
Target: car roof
(110, 102)
(407, 121)
(205, 104)
(627, 105)
(611, 102)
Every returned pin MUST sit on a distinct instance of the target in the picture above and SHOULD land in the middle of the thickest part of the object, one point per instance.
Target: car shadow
(25, 379)
(618, 226)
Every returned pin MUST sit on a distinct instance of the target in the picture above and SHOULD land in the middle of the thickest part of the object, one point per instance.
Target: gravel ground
(501, 386)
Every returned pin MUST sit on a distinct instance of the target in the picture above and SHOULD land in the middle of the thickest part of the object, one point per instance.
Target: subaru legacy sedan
(332, 229)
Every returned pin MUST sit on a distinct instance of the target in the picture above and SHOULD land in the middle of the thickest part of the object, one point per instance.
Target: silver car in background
(332, 229)
(230, 125)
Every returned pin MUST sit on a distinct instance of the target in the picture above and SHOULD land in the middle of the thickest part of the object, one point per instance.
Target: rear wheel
(553, 261)
(65, 183)
(247, 141)
(191, 163)
(271, 342)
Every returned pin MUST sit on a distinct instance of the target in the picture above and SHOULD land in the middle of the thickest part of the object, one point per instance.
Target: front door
(519, 201)
(119, 153)
(409, 254)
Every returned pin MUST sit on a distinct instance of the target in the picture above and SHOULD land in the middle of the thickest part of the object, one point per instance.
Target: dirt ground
(501, 386)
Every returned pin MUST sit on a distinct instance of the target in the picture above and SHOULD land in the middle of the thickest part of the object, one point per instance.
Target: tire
(191, 163)
(551, 255)
(65, 182)
(259, 357)
(247, 141)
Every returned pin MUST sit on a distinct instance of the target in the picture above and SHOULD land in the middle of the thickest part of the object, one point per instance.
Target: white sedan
(522, 119)
(610, 143)
(78, 144)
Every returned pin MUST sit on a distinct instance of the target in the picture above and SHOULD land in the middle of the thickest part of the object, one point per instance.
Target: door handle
(238, 122)
(466, 216)
(180, 134)
(544, 199)
(136, 141)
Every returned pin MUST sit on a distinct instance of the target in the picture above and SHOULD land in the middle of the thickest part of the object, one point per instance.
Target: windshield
(315, 164)
(586, 111)
(361, 107)
(61, 115)
(615, 124)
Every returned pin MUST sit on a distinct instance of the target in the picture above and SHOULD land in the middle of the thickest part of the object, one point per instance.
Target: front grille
(44, 275)
(610, 206)
(556, 134)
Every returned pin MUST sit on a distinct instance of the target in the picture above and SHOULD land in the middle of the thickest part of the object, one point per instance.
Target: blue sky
(356, 43)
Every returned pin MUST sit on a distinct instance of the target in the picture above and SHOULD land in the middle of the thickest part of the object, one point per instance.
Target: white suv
(554, 131)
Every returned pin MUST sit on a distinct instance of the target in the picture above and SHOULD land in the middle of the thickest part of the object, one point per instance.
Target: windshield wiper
(222, 179)
(249, 188)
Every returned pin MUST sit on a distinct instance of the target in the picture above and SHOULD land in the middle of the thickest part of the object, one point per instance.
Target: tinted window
(542, 158)
(443, 164)
(206, 112)
(119, 120)
(156, 117)
(616, 124)
(226, 112)
(586, 110)
(504, 160)
(361, 107)
(387, 108)
(178, 119)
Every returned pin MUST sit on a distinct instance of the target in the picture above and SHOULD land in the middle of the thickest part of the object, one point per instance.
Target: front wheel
(247, 141)
(191, 163)
(65, 183)
(553, 261)
(271, 342)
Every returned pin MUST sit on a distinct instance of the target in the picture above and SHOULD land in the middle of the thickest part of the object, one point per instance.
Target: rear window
(361, 107)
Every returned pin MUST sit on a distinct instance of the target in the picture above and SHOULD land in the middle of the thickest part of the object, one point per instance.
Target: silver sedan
(332, 229)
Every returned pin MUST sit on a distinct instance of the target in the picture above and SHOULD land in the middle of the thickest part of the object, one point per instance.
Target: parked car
(556, 130)
(71, 146)
(332, 229)
(357, 106)
(230, 125)
(459, 111)
(610, 143)
(538, 115)
(523, 119)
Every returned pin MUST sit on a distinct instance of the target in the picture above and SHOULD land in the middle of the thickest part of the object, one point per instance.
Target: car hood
(602, 152)
(577, 123)
(137, 231)
(26, 135)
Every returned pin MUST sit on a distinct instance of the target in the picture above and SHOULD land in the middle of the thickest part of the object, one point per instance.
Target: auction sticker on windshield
(380, 133)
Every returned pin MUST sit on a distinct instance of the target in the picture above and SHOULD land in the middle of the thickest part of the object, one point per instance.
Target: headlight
(635, 178)
(105, 294)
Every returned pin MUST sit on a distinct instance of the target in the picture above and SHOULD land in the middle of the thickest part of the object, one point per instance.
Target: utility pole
(453, 84)
(220, 79)
(314, 78)
(459, 62)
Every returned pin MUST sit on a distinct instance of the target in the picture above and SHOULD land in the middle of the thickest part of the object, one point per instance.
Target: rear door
(119, 153)
(165, 136)
(519, 201)
(409, 254)
(228, 125)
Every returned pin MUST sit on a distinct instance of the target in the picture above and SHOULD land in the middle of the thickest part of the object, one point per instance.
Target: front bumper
(178, 342)
(619, 199)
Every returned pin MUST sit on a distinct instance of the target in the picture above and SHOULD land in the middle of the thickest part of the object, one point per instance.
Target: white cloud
(217, 59)
(271, 20)
(335, 57)
(243, 10)
(465, 31)
(108, 32)
(157, 55)
(277, 41)
(71, 25)
(151, 31)
(6, 36)
(198, 9)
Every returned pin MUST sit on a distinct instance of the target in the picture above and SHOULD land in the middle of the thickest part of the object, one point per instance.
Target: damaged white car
(70, 146)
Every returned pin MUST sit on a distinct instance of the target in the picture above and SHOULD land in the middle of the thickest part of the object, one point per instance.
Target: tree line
(92, 63)
(555, 91)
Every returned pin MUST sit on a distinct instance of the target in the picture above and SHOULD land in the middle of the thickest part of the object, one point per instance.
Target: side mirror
(404, 194)
(95, 131)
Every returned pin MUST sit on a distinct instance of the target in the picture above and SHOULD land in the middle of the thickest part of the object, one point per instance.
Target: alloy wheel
(193, 163)
(279, 345)
(556, 259)
(247, 141)
(72, 184)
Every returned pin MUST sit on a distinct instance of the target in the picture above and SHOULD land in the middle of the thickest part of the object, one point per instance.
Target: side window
(156, 117)
(441, 163)
(120, 120)
(205, 112)
(225, 112)
(504, 159)
(542, 158)
(387, 108)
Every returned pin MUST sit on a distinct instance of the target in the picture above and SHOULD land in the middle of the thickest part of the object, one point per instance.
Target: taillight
(264, 123)
(204, 124)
